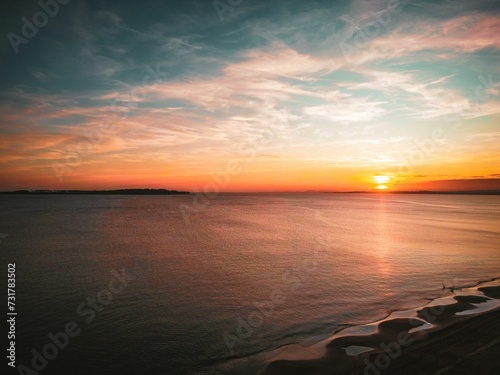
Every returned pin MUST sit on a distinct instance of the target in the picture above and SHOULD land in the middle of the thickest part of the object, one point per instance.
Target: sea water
(175, 285)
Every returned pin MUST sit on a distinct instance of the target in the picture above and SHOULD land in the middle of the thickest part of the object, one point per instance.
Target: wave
(351, 344)
(348, 350)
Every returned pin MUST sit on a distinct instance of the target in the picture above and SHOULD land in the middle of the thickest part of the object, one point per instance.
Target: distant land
(101, 192)
(378, 192)
(471, 184)
(472, 192)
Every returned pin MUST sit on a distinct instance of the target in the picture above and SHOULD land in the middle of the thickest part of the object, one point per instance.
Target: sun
(381, 179)
(381, 182)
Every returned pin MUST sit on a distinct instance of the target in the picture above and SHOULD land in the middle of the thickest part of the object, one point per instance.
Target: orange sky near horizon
(247, 176)
(106, 101)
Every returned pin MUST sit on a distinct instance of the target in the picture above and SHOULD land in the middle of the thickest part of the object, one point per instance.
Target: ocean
(177, 285)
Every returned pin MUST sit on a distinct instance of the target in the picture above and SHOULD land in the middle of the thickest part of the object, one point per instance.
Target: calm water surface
(216, 289)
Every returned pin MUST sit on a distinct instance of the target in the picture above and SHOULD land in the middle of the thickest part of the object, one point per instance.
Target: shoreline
(461, 327)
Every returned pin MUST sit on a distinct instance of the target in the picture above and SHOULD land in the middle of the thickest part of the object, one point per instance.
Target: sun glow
(382, 187)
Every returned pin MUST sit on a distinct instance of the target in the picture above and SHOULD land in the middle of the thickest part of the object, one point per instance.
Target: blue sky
(300, 94)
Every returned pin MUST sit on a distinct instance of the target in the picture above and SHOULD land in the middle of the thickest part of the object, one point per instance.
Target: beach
(457, 334)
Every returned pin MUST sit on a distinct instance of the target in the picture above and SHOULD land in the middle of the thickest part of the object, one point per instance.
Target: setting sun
(381, 179)
(381, 182)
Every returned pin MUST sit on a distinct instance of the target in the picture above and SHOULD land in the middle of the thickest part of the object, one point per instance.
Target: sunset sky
(255, 96)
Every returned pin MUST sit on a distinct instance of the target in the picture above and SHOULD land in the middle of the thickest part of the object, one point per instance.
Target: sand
(454, 344)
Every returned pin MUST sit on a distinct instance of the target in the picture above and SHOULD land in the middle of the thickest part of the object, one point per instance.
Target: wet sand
(434, 341)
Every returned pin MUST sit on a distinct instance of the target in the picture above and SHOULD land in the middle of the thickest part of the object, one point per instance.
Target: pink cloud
(464, 34)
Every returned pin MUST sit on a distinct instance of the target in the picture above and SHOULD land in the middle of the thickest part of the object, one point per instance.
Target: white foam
(423, 327)
(317, 350)
(363, 330)
(481, 307)
(354, 350)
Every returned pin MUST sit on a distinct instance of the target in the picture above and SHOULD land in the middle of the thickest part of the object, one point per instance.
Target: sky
(241, 95)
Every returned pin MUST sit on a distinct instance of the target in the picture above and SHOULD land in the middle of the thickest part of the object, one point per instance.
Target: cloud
(347, 111)
(429, 100)
(465, 34)
(298, 83)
